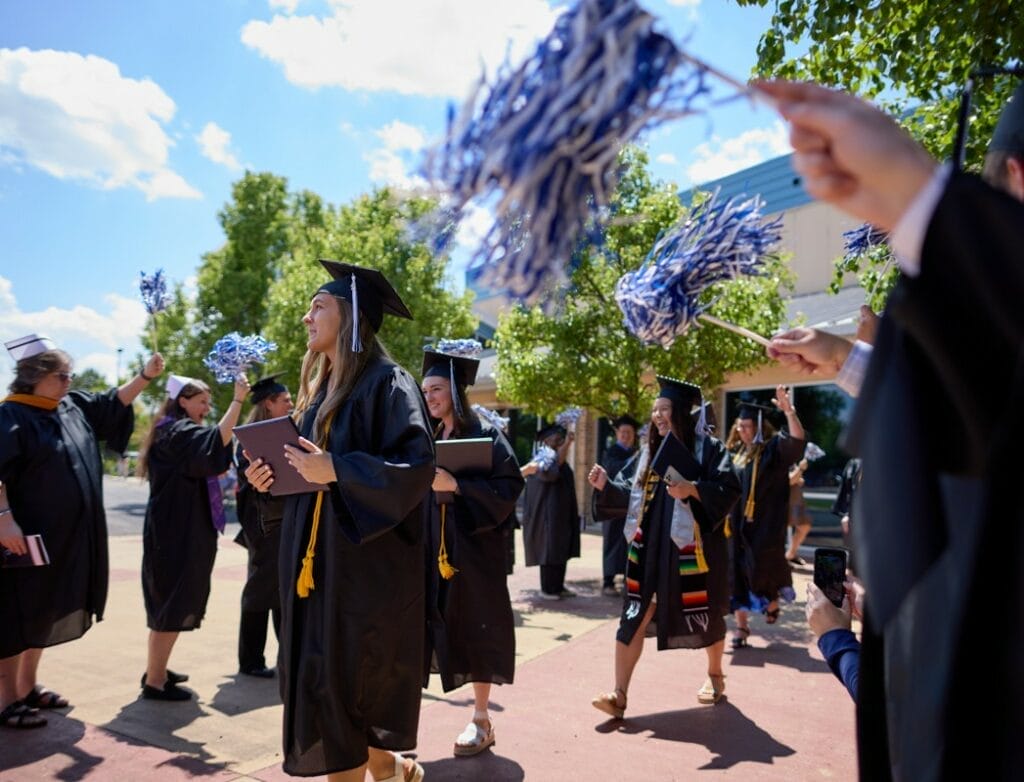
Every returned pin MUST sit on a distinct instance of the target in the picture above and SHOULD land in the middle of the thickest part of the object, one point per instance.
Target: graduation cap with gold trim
(369, 292)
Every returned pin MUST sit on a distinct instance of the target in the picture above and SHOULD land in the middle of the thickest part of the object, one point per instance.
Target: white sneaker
(546, 596)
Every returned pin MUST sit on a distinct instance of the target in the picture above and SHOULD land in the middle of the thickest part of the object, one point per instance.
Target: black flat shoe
(174, 678)
(259, 671)
(169, 692)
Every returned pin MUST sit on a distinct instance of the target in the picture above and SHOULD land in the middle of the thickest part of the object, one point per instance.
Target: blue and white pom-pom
(544, 457)
(153, 289)
(660, 300)
(461, 348)
(540, 146)
(861, 239)
(436, 229)
(233, 354)
(569, 417)
(499, 422)
(813, 452)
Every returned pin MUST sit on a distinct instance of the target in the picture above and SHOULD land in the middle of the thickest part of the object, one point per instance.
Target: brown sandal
(609, 703)
(21, 717)
(40, 698)
(712, 690)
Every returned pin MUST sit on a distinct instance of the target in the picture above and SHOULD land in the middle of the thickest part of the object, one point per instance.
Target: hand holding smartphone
(830, 572)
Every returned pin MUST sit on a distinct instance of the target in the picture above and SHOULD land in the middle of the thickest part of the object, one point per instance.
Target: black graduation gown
(609, 510)
(719, 488)
(470, 627)
(351, 653)
(179, 541)
(938, 530)
(551, 519)
(50, 462)
(259, 515)
(760, 569)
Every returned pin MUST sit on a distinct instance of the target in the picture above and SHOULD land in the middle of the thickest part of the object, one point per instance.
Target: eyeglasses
(67, 377)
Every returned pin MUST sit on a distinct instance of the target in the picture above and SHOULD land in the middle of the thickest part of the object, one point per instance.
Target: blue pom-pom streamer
(499, 422)
(717, 242)
(540, 145)
(544, 457)
(461, 348)
(861, 239)
(569, 417)
(153, 288)
(233, 354)
(436, 229)
(813, 452)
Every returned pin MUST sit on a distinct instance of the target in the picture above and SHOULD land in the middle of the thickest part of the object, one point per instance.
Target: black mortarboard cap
(1009, 133)
(749, 410)
(266, 387)
(549, 430)
(462, 368)
(686, 394)
(626, 419)
(375, 295)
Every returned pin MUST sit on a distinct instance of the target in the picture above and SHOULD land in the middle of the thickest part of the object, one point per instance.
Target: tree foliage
(914, 56)
(584, 356)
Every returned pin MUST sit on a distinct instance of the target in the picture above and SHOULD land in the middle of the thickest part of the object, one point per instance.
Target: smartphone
(830, 572)
(672, 475)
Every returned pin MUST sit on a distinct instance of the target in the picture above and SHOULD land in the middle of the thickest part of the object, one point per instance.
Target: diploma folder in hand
(266, 440)
(471, 456)
(672, 453)
(35, 556)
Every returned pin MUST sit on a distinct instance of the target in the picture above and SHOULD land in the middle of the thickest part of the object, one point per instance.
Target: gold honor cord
(748, 509)
(305, 582)
(446, 570)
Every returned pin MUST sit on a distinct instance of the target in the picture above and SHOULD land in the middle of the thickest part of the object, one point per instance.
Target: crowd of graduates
(394, 567)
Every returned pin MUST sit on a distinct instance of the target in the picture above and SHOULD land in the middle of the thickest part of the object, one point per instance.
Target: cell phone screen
(830, 572)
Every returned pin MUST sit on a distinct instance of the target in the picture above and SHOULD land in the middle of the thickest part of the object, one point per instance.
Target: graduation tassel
(748, 509)
(305, 583)
(456, 404)
(698, 551)
(446, 570)
(357, 344)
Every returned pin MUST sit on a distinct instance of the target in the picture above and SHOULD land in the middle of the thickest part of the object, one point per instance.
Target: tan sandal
(474, 739)
(609, 703)
(712, 690)
(413, 774)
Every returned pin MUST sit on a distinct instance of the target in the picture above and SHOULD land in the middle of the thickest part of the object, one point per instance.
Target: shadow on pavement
(240, 694)
(58, 738)
(486, 765)
(723, 729)
(155, 723)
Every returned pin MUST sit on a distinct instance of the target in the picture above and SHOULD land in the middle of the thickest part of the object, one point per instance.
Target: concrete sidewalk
(784, 717)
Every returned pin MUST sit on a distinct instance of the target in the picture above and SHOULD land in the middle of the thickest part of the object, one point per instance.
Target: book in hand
(36, 556)
(471, 456)
(266, 440)
(674, 457)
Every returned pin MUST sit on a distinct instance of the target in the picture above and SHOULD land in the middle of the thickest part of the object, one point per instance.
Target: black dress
(551, 519)
(50, 463)
(179, 541)
(351, 662)
(470, 627)
(760, 570)
(656, 555)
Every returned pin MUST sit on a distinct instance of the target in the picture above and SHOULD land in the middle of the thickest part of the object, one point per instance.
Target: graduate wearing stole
(352, 561)
(677, 567)
(470, 626)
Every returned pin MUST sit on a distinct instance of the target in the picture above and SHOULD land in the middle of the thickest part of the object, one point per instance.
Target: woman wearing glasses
(51, 482)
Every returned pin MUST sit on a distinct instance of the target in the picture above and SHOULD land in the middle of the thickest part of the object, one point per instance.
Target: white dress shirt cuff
(907, 238)
(851, 374)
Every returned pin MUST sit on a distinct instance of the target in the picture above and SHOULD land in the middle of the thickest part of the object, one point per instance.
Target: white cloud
(76, 117)
(684, 3)
(288, 6)
(667, 158)
(215, 143)
(91, 335)
(430, 47)
(390, 164)
(720, 157)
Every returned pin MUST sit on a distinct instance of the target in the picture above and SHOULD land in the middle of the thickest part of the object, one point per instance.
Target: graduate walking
(470, 627)
(352, 562)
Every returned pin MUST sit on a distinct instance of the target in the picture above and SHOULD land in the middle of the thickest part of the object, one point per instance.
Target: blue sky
(124, 124)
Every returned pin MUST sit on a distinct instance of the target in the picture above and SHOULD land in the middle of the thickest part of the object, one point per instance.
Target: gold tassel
(698, 550)
(447, 571)
(728, 528)
(305, 582)
(748, 509)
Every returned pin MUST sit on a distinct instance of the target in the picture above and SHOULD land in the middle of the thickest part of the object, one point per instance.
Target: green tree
(584, 356)
(89, 380)
(370, 231)
(912, 55)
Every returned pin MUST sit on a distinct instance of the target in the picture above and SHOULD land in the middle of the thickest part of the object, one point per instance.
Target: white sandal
(474, 740)
(401, 775)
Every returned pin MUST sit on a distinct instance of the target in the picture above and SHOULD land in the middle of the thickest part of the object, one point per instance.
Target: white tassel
(357, 345)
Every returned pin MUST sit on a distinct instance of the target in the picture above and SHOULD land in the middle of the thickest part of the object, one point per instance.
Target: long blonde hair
(340, 373)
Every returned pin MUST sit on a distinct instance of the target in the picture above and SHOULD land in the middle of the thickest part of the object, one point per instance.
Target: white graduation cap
(28, 346)
(175, 383)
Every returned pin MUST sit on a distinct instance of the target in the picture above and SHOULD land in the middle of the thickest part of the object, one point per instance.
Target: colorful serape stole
(635, 556)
